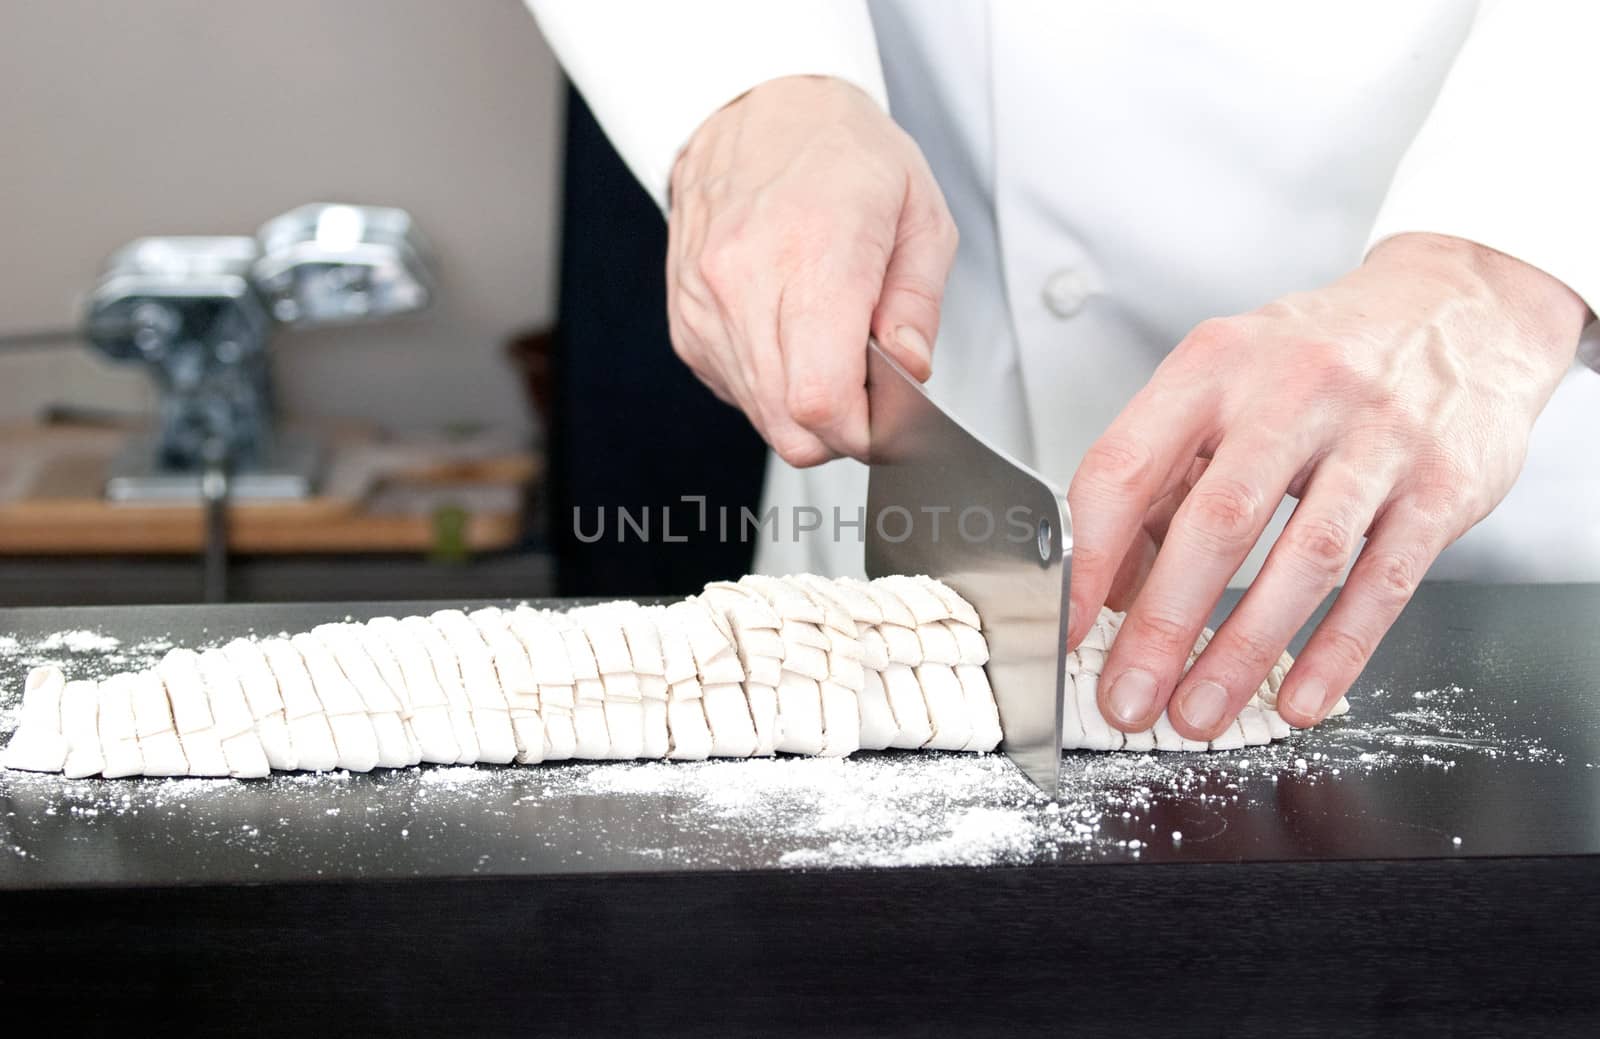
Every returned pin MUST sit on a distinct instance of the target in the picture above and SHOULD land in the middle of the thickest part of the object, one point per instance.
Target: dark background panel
(632, 428)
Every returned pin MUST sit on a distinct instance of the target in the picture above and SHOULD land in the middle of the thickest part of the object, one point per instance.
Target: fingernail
(1306, 699)
(913, 343)
(1203, 705)
(1133, 695)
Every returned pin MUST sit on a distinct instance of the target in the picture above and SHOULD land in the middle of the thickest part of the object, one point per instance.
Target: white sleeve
(1509, 155)
(653, 71)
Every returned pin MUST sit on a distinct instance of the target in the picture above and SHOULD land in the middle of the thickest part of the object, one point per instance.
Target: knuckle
(925, 291)
(1254, 650)
(1434, 526)
(924, 212)
(727, 256)
(935, 222)
(1443, 482)
(716, 267)
(1163, 633)
(713, 188)
(1118, 463)
(1330, 361)
(1348, 652)
(1223, 512)
(798, 450)
(811, 403)
(1213, 336)
(1404, 419)
(950, 235)
(1393, 578)
(685, 336)
(1090, 558)
(681, 347)
(695, 328)
(688, 284)
(1321, 546)
(686, 327)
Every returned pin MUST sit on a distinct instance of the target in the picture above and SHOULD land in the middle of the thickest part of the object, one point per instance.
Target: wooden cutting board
(416, 494)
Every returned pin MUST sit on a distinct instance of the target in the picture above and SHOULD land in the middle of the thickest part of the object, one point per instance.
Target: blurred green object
(449, 535)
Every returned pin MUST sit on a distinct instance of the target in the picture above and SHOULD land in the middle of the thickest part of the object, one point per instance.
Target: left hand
(1394, 404)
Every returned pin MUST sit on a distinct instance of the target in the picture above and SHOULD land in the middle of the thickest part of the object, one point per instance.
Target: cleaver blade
(942, 502)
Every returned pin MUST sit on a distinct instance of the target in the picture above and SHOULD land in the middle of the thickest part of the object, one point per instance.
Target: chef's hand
(1394, 404)
(802, 218)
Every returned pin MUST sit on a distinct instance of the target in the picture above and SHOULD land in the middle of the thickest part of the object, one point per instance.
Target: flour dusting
(82, 653)
(80, 641)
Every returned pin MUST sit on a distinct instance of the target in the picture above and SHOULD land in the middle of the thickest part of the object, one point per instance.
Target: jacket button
(1066, 292)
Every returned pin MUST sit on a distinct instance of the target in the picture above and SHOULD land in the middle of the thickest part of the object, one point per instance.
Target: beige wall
(209, 116)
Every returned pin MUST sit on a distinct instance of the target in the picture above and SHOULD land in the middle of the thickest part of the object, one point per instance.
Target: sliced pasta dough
(759, 666)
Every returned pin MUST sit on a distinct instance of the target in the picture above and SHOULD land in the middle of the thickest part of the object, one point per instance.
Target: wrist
(775, 103)
(1538, 302)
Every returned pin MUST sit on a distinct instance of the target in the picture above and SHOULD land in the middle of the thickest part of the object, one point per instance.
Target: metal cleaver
(942, 502)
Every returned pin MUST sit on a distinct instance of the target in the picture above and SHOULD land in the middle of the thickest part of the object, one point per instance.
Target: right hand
(802, 218)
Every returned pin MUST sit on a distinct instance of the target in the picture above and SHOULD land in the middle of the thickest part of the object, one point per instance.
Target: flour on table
(885, 809)
(83, 653)
(80, 641)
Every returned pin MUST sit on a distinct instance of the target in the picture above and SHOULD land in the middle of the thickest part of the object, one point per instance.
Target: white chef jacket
(1121, 171)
